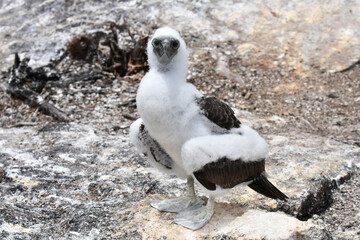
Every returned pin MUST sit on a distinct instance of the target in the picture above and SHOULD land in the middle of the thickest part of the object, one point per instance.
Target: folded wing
(218, 112)
(145, 144)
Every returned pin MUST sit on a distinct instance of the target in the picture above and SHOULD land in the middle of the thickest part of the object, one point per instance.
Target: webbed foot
(177, 204)
(194, 218)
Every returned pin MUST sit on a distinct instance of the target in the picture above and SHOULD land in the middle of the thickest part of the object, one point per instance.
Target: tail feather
(263, 186)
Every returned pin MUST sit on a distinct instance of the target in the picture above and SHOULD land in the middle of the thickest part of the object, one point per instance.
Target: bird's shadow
(225, 214)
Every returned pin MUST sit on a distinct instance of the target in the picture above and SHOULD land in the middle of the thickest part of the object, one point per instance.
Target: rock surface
(67, 180)
(292, 36)
(230, 220)
(269, 59)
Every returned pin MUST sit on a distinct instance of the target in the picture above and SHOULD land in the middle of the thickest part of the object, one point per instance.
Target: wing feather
(157, 152)
(227, 174)
(218, 112)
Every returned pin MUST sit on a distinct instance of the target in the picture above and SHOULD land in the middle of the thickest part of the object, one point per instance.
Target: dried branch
(20, 75)
(35, 100)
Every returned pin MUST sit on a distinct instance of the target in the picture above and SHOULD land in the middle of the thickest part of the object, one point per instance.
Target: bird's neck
(174, 77)
(174, 71)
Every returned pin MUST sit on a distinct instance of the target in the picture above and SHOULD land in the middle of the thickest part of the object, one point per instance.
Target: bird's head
(167, 51)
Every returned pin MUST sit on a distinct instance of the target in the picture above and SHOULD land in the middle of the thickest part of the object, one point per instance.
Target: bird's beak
(165, 48)
(169, 51)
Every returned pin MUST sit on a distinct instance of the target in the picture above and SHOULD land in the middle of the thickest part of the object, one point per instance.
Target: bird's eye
(156, 42)
(175, 44)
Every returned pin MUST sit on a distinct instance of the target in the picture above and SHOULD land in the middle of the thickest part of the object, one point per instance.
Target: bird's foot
(177, 204)
(194, 218)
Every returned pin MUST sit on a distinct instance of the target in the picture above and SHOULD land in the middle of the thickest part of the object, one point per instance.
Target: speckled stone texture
(67, 180)
(289, 69)
(297, 35)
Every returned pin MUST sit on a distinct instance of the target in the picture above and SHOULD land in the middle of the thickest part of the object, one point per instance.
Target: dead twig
(35, 100)
(103, 49)
(129, 116)
(23, 124)
(21, 74)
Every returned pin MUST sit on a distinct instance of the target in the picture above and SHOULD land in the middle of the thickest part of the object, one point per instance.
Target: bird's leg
(195, 218)
(190, 201)
(191, 189)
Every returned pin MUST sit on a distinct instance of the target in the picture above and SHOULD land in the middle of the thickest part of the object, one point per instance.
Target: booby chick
(191, 136)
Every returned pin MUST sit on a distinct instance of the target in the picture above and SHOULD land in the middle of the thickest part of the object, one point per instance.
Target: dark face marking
(165, 48)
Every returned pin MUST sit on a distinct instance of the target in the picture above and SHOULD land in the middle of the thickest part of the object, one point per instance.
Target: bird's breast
(154, 107)
(170, 112)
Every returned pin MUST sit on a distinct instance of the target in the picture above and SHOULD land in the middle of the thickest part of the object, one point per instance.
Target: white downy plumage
(178, 128)
(244, 143)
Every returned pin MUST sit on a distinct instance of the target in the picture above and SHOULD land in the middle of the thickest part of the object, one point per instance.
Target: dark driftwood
(30, 84)
(35, 100)
(23, 84)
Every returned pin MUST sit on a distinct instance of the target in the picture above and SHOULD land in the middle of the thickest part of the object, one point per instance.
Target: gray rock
(289, 36)
(70, 181)
(84, 180)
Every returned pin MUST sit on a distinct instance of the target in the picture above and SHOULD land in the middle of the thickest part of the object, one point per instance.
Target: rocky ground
(283, 71)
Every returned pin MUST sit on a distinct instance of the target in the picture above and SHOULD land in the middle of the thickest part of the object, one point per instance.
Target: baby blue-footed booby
(191, 136)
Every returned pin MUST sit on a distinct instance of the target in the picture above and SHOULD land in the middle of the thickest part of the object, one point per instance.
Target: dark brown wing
(218, 112)
(227, 174)
(263, 186)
